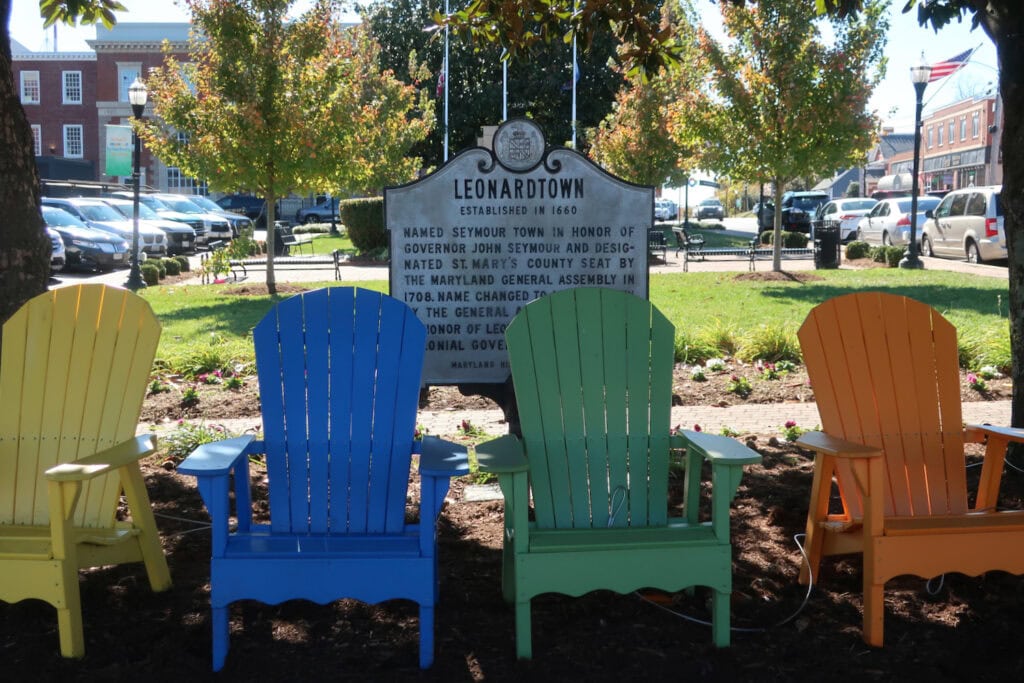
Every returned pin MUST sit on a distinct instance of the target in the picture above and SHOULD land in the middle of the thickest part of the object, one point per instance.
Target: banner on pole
(119, 150)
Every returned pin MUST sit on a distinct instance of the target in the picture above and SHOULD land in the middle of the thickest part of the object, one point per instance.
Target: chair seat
(577, 540)
(267, 545)
(970, 523)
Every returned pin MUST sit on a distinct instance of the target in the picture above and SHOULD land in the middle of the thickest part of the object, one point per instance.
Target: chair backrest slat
(75, 367)
(884, 369)
(343, 368)
(592, 371)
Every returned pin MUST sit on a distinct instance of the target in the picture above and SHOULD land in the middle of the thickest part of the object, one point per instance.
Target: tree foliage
(647, 138)
(784, 104)
(272, 105)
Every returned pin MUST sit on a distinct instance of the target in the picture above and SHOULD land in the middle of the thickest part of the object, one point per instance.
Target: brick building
(956, 149)
(69, 98)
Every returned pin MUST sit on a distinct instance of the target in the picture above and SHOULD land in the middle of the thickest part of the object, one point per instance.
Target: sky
(893, 99)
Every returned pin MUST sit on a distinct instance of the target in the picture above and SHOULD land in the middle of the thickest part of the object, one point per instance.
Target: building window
(72, 87)
(951, 135)
(179, 183)
(37, 140)
(930, 137)
(975, 124)
(126, 75)
(939, 131)
(73, 145)
(963, 128)
(30, 87)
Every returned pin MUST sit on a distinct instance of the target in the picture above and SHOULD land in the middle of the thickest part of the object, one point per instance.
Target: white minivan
(967, 222)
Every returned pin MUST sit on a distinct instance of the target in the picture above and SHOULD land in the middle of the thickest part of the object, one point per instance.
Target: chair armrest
(504, 455)
(1008, 433)
(819, 442)
(718, 449)
(217, 458)
(440, 458)
(105, 461)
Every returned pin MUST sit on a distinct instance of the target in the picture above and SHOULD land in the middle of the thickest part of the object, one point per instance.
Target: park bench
(656, 243)
(693, 249)
(239, 267)
(297, 242)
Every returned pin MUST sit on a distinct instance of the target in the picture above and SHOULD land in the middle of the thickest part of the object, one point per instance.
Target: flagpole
(574, 90)
(445, 83)
(504, 86)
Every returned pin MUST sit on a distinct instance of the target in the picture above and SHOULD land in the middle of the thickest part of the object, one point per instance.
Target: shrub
(890, 256)
(790, 240)
(720, 337)
(770, 343)
(159, 263)
(183, 262)
(692, 349)
(173, 266)
(364, 219)
(856, 250)
(150, 273)
(320, 228)
(188, 436)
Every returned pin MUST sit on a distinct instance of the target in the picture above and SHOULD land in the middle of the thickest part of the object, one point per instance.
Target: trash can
(826, 247)
(280, 229)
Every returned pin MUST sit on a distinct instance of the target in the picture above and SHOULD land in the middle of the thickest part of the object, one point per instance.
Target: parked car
(888, 223)
(765, 214)
(710, 208)
(96, 213)
(967, 222)
(255, 208)
(321, 212)
(164, 211)
(217, 227)
(844, 214)
(239, 223)
(85, 247)
(181, 238)
(665, 210)
(799, 207)
(58, 254)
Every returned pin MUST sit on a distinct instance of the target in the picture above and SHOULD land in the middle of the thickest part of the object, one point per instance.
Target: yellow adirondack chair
(885, 375)
(73, 373)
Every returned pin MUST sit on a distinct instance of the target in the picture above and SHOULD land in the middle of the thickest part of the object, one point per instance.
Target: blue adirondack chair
(339, 375)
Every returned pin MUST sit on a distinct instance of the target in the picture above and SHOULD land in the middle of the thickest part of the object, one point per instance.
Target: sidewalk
(759, 418)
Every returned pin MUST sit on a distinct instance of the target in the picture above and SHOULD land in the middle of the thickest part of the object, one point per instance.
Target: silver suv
(968, 222)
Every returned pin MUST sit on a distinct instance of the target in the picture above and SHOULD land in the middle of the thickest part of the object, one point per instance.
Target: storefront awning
(900, 182)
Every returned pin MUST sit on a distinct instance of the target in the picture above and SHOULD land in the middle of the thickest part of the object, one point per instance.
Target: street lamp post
(137, 96)
(919, 76)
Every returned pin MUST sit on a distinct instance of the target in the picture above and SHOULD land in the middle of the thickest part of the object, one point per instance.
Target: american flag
(949, 66)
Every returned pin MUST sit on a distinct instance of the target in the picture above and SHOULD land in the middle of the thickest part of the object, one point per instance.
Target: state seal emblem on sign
(519, 144)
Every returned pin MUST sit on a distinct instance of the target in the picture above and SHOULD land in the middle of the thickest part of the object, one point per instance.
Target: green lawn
(204, 327)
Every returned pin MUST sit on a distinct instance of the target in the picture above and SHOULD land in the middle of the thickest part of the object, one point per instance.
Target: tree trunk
(1011, 69)
(777, 227)
(24, 246)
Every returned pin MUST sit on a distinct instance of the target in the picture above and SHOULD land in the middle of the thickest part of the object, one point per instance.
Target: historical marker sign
(490, 231)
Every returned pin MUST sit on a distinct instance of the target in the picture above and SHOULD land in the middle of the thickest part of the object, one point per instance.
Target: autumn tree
(785, 104)
(273, 105)
(646, 138)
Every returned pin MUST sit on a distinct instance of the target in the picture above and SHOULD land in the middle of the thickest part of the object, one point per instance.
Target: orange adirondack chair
(885, 374)
(74, 371)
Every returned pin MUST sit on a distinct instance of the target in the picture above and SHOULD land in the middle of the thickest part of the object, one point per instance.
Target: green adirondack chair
(593, 376)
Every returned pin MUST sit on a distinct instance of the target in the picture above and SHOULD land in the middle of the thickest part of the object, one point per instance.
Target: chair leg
(524, 639)
(426, 636)
(69, 618)
(874, 612)
(720, 604)
(221, 633)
